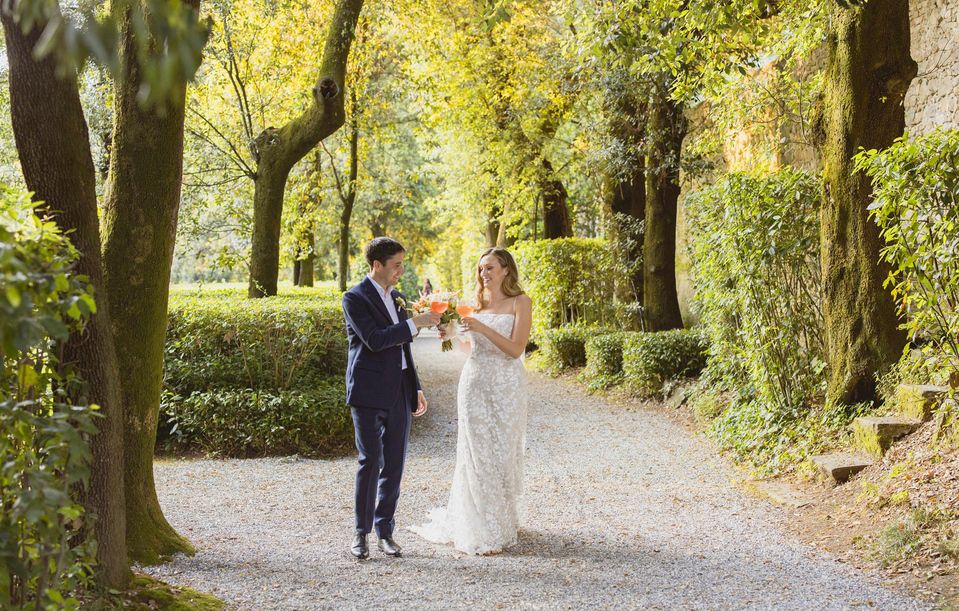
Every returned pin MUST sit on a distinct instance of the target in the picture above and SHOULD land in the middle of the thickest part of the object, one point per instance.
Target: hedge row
(644, 361)
(255, 377)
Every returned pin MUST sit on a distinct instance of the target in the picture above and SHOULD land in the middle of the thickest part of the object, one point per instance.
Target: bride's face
(491, 272)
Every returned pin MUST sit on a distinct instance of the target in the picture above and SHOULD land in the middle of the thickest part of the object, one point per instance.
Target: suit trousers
(382, 436)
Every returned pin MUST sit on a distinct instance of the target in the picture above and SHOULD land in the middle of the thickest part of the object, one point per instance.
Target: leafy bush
(243, 422)
(652, 359)
(755, 249)
(570, 280)
(253, 377)
(604, 360)
(564, 348)
(916, 204)
(45, 542)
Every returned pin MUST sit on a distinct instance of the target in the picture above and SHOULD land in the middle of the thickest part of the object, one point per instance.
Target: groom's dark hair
(381, 249)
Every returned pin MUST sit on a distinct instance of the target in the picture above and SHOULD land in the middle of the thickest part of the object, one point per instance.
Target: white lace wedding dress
(482, 514)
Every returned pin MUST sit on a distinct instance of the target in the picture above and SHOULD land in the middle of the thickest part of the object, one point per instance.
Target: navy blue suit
(382, 397)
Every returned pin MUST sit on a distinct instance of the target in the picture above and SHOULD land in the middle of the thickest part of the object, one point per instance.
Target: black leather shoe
(389, 547)
(360, 549)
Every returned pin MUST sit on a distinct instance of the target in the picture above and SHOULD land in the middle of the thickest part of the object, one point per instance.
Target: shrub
(604, 360)
(755, 248)
(276, 342)
(652, 359)
(244, 423)
(565, 347)
(916, 204)
(570, 280)
(45, 534)
(256, 377)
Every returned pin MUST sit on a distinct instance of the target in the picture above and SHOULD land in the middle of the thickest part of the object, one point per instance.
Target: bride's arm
(515, 345)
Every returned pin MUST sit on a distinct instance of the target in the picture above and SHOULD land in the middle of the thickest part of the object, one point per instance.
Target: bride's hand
(471, 324)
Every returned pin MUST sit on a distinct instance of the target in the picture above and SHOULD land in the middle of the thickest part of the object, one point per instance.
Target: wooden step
(840, 466)
(875, 434)
(919, 401)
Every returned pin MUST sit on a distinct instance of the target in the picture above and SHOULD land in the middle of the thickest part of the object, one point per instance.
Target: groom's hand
(426, 319)
(421, 403)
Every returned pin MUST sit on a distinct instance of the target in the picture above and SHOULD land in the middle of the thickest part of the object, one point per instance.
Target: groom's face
(389, 273)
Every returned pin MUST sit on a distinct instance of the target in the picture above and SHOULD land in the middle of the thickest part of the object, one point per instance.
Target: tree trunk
(349, 200)
(54, 149)
(666, 130)
(869, 71)
(278, 150)
(304, 276)
(297, 265)
(626, 188)
(141, 203)
(556, 221)
(626, 197)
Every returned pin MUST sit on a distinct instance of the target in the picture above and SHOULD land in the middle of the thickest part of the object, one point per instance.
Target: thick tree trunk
(556, 221)
(278, 150)
(54, 148)
(666, 129)
(297, 264)
(869, 71)
(139, 221)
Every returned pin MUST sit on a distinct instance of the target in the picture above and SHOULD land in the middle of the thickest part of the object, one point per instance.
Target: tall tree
(666, 129)
(54, 149)
(139, 220)
(869, 70)
(277, 150)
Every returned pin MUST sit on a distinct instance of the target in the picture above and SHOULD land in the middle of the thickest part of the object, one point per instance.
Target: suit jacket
(374, 373)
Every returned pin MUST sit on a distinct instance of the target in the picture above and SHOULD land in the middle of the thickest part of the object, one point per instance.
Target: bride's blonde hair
(511, 286)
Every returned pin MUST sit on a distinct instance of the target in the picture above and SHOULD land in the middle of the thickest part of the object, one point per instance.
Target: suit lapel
(374, 296)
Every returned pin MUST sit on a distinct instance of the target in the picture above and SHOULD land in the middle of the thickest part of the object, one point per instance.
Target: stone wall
(933, 97)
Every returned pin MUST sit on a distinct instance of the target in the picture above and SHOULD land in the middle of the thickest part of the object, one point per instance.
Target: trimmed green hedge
(604, 360)
(565, 347)
(245, 423)
(652, 359)
(255, 377)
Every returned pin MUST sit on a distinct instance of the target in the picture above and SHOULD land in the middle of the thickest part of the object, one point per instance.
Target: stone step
(840, 466)
(782, 493)
(875, 434)
(919, 400)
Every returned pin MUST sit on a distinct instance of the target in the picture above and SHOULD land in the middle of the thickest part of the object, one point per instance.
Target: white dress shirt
(391, 309)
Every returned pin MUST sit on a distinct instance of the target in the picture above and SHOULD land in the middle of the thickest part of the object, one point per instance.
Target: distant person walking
(427, 288)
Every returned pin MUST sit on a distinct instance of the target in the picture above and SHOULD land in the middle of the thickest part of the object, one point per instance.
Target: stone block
(840, 466)
(876, 434)
(918, 401)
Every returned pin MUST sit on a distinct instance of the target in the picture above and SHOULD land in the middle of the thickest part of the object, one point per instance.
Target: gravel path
(624, 509)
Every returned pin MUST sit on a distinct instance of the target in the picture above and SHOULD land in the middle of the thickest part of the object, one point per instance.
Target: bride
(482, 515)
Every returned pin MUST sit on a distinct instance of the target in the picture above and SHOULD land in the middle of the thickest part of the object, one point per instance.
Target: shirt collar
(383, 292)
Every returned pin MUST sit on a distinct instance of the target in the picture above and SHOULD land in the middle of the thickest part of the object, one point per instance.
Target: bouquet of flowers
(443, 304)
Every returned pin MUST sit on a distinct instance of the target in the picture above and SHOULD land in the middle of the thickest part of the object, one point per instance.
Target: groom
(382, 390)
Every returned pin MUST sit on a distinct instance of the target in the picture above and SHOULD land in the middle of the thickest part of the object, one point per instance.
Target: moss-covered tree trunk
(666, 128)
(278, 150)
(139, 220)
(54, 149)
(556, 220)
(869, 70)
